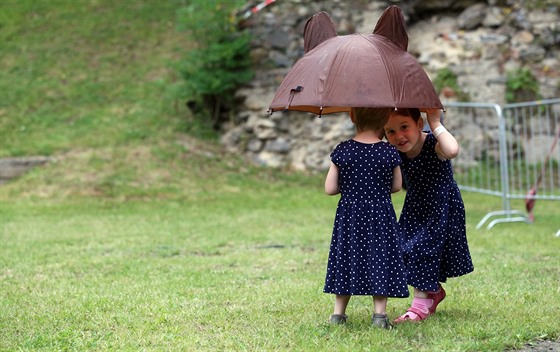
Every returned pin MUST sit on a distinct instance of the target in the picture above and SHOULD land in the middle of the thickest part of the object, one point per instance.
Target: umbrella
(356, 70)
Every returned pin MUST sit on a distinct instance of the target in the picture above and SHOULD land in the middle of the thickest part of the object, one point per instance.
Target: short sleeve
(395, 157)
(337, 154)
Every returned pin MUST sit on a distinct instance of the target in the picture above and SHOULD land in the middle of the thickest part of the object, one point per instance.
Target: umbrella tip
(317, 29)
(392, 25)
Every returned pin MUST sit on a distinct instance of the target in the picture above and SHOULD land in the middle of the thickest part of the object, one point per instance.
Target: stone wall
(479, 40)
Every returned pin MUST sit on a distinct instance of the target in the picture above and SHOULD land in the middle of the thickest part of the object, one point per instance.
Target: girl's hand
(446, 146)
(433, 116)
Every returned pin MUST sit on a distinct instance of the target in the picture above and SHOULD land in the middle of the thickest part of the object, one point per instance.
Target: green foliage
(220, 62)
(446, 78)
(541, 4)
(521, 85)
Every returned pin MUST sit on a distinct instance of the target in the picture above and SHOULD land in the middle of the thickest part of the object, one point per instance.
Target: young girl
(434, 240)
(365, 256)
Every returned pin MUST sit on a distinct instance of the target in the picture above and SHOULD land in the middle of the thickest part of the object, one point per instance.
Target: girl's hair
(410, 112)
(370, 118)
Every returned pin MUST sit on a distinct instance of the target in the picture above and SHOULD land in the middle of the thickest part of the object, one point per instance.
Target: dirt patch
(540, 346)
(11, 168)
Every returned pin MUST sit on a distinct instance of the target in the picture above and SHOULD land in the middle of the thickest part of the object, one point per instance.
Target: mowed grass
(237, 262)
(139, 237)
(86, 73)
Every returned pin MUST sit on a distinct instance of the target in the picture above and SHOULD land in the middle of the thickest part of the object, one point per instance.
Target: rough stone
(493, 18)
(491, 39)
(255, 145)
(14, 167)
(269, 159)
(280, 145)
(531, 53)
(265, 129)
(472, 16)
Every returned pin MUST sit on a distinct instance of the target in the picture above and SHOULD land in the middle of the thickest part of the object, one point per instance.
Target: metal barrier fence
(511, 151)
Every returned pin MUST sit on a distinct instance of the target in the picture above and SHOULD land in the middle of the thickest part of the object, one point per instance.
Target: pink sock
(422, 304)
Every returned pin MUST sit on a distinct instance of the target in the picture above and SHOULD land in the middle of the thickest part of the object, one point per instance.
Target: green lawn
(81, 74)
(240, 266)
(138, 236)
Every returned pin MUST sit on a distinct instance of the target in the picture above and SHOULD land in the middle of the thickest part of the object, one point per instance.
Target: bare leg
(379, 318)
(420, 294)
(424, 304)
(340, 304)
(380, 304)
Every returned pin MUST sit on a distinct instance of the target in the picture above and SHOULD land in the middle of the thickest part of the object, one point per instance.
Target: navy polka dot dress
(432, 221)
(365, 256)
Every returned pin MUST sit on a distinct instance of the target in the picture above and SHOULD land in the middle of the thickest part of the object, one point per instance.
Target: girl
(364, 256)
(434, 240)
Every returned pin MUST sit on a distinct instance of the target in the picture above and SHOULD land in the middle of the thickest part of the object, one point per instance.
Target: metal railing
(511, 151)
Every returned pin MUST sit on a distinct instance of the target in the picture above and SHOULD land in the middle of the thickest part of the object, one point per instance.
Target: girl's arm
(447, 146)
(397, 180)
(331, 182)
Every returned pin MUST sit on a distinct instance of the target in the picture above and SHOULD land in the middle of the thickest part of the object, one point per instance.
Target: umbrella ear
(392, 25)
(317, 29)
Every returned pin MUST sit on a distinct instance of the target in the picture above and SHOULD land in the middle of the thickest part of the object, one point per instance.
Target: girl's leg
(380, 304)
(435, 297)
(424, 304)
(420, 294)
(379, 318)
(340, 304)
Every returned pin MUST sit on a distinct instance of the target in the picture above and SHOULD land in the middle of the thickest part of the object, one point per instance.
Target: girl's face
(405, 134)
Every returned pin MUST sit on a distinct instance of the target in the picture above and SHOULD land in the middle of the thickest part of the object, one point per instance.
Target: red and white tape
(257, 8)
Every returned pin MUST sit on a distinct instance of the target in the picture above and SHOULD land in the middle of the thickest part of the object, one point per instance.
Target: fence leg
(507, 218)
(518, 125)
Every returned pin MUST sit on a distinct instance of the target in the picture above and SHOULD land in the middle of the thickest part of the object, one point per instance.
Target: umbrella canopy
(340, 72)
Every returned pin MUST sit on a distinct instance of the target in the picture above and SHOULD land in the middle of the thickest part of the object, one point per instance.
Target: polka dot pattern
(432, 221)
(364, 256)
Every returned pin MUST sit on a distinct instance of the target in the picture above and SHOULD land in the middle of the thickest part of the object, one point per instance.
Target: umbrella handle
(293, 91)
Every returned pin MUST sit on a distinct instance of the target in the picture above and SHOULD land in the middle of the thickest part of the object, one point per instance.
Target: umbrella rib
(330, 74)
(390, 81)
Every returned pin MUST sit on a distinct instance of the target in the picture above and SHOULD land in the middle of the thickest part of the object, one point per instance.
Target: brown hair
(370, 118)
(410, 112)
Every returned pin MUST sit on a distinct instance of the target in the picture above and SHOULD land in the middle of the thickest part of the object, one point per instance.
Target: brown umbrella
(340, 72)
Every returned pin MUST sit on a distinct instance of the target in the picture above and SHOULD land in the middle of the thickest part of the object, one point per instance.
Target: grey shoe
(381, 321)
(338, 319)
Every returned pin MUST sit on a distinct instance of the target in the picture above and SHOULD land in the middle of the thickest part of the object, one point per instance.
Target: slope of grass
(85, 74)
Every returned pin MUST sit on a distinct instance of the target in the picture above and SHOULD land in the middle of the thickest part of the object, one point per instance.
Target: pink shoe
(420, 308)
(437, 297)
(420, 315)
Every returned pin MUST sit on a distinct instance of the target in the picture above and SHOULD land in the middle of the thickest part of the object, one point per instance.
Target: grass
(85, 74)
(242, 268)
(139, 237)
